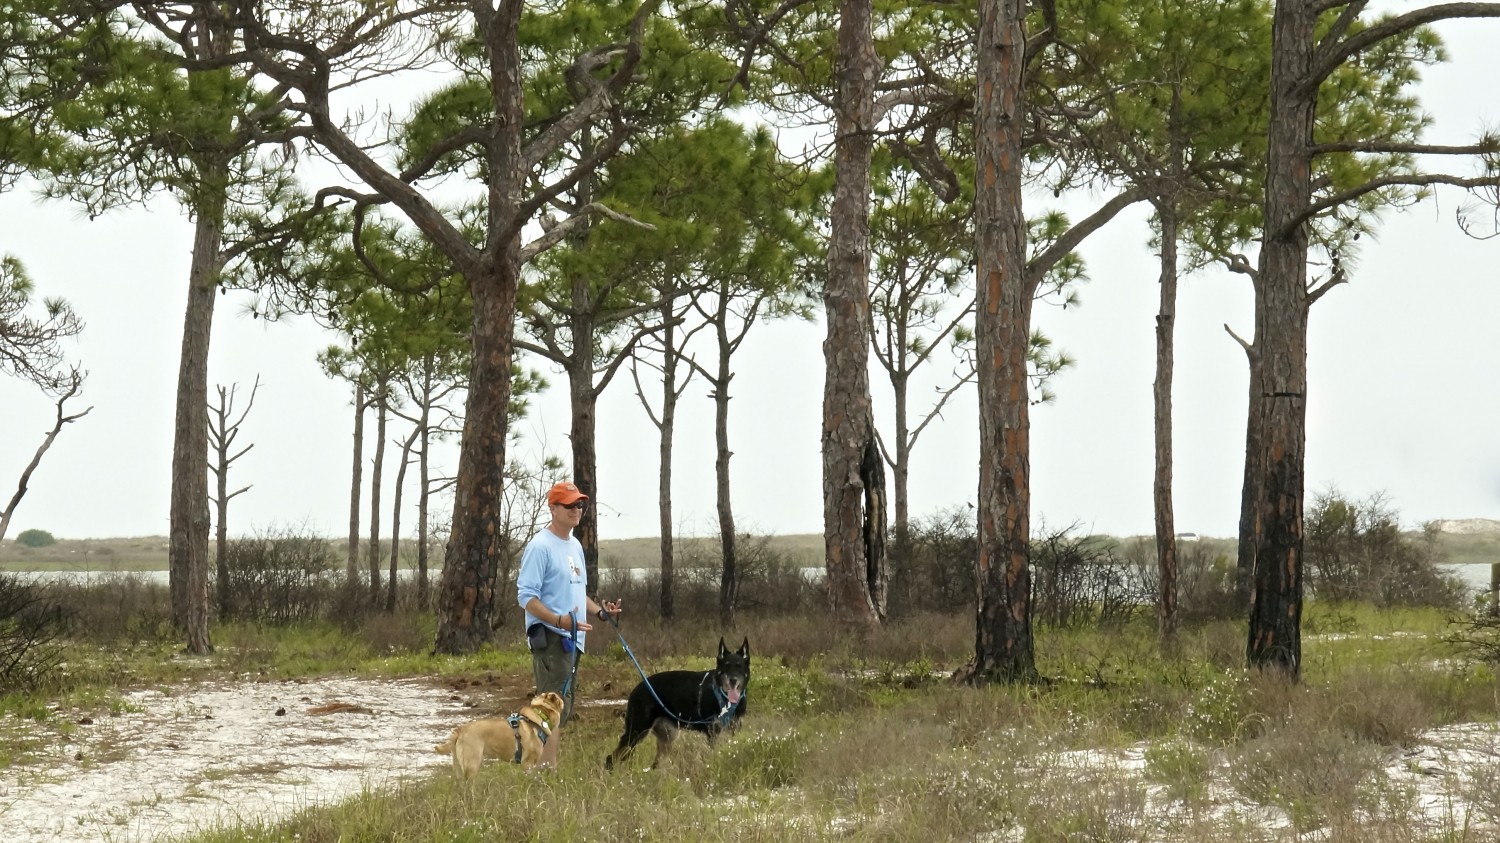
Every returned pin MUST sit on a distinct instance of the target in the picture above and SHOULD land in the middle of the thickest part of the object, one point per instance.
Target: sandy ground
(217, 754)
(208, 755)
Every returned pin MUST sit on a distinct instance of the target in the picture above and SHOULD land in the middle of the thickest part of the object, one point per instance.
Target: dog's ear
(723, 650)
(745, 648)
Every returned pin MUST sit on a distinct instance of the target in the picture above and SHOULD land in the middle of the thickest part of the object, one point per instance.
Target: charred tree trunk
(1166, 530)
(1250, 485)
(848, 421)
(877, 571)
(466, 602)
(188, 542)
(1281, 307)
(1003, 640)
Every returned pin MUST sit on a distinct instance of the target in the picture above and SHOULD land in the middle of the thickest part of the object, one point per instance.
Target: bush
(1206, 578)
(1075, 581)
(765, 580)
(29, 624)
(35, 538)
(1078, 581)
(935, 571)
(1355, 551)
(279, 578)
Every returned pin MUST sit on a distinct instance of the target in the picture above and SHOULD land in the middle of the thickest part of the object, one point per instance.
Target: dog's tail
(447, 746)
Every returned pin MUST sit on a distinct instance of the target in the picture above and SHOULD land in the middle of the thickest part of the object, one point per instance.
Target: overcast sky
(1404, 396)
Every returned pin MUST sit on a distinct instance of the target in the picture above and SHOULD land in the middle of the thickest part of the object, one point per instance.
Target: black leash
(723, 718)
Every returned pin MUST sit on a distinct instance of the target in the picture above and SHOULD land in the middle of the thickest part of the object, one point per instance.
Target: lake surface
(1475, 575)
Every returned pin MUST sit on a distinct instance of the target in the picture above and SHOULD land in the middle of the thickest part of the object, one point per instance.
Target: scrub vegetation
(866, 735)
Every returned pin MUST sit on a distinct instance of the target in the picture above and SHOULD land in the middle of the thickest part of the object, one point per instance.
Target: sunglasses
(579, 505)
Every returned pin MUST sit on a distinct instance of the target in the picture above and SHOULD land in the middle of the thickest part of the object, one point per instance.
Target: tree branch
(1408, 180)
(61, 419)
(1335, 54)
(1048, 257)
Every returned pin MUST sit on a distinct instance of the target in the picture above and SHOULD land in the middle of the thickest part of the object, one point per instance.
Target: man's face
(569, 514)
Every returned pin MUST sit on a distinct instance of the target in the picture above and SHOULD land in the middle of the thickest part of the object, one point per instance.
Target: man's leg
(551, 667)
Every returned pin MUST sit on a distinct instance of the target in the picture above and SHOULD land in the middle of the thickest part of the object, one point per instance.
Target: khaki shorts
(551, 665)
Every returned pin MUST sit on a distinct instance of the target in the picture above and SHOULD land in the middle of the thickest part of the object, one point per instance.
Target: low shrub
(35, 538)
(1355, 550)
(278, 577)
(30, 624)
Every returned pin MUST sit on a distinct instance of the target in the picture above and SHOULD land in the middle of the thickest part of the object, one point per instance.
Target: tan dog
(522, 736)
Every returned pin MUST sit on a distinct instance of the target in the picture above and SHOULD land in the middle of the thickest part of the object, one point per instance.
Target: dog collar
(726, 708)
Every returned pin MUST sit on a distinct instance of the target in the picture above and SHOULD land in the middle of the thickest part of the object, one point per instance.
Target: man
(553, 589)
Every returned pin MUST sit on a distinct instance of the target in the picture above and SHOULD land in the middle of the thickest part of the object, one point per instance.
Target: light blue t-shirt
(552, 571)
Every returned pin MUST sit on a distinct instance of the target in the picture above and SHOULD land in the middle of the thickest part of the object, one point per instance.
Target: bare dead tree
(75, 385)
(223, 429)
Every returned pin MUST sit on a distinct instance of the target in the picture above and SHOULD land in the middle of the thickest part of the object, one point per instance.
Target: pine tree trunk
(1166, 530)
(664, 477)
(377, 467)
(356, 475)
(394, 570)
(1281, 306)
(188, 542)
(424, 480)
(1003, 643)
(729, 578)
(467, 598)
(848, 421)
(584, 404)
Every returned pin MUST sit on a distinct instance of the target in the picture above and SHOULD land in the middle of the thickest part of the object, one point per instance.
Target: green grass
(866, 737)
(854, 741)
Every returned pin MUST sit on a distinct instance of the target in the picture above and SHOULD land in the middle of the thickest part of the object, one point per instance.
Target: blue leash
(573, 636)
(726, 712)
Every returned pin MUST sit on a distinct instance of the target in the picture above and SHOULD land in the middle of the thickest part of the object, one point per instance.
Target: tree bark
(1166, 530)
(1003, 640)
(668, 429)
(406, 447)
(583, 401)
(1281, 307)
(377, 467)
(424, 480)
(189, 516)
(356, 475)
(466, 600)
(729, 577)
(848, 421)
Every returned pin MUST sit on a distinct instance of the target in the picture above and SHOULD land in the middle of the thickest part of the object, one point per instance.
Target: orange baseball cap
(565, 493)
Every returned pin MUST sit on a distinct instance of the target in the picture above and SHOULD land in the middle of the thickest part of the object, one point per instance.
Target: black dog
(707, 701)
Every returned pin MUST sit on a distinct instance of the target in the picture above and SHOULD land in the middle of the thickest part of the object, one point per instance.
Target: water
(1475, 575)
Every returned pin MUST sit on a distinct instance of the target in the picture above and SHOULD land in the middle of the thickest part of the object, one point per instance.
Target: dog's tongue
(734, 696)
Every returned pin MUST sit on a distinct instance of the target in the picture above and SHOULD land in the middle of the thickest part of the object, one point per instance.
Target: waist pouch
(536, 638)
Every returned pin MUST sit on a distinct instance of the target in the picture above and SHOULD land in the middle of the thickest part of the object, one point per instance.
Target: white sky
(1403, 399)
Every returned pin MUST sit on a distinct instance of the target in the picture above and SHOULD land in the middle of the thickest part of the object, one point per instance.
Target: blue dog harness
(726, 709)
(542, 731)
